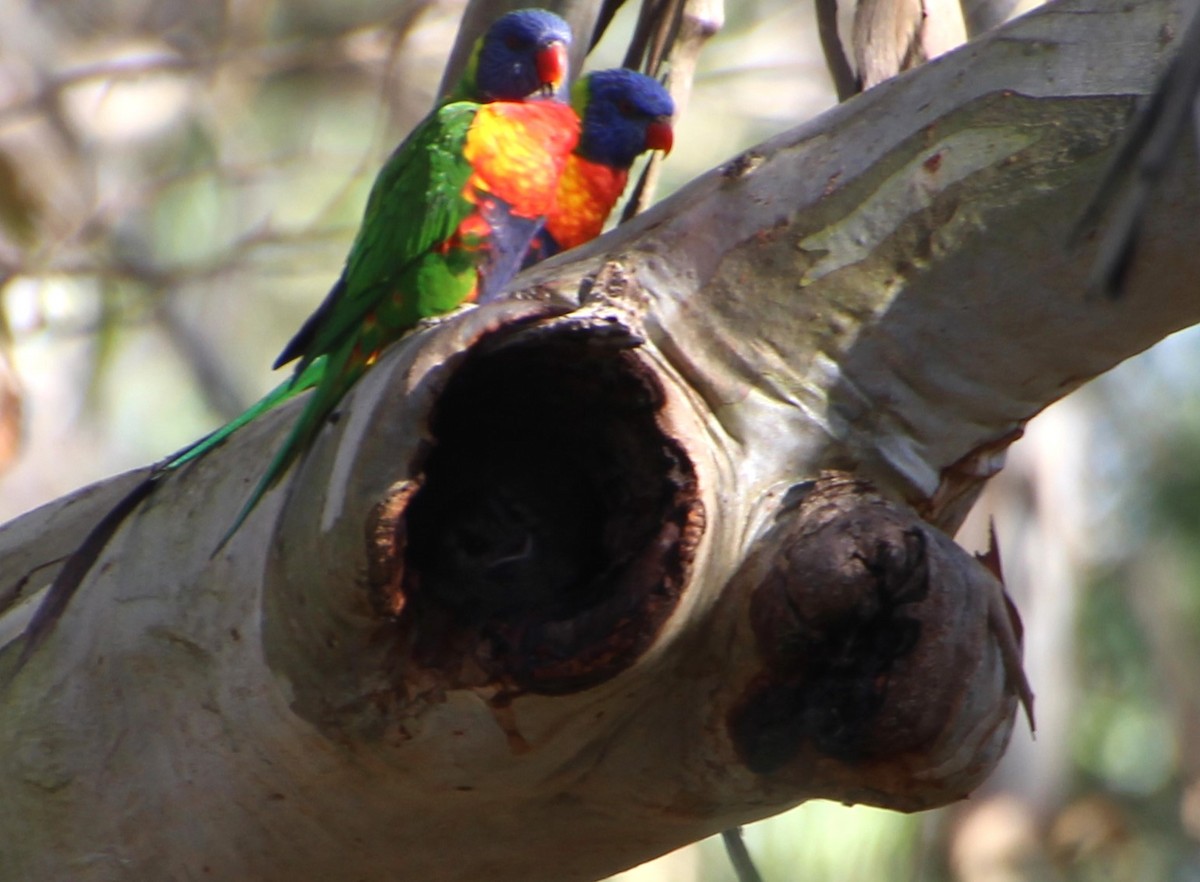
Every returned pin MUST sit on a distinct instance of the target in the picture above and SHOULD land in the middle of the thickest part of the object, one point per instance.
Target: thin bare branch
(844, 81)
(675, 41)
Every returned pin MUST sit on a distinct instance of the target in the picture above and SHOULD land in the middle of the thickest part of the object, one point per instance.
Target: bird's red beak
(552, 65)
(660, 135)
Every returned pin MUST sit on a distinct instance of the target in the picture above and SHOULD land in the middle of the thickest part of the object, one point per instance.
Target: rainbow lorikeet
(484, 177)
(523, 53)
(448, 220)
(440, 226)
(622, 115)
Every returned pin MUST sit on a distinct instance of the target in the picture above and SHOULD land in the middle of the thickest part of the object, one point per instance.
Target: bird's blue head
(623, 114)
(522, 53)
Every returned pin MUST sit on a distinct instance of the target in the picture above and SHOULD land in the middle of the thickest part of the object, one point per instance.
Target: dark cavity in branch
(555, 523)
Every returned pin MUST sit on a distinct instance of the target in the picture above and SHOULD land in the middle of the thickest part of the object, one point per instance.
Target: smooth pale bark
(983, 15)
(884, 291)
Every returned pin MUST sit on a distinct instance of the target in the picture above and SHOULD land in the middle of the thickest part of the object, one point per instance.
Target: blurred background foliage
(179, 183)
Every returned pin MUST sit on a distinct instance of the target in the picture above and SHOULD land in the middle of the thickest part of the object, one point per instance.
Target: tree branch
(649, 552)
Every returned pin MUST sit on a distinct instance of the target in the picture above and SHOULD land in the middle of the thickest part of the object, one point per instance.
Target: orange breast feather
(518, 151)
(586, 195)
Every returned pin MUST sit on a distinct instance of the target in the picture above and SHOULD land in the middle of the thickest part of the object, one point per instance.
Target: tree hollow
(553, 522)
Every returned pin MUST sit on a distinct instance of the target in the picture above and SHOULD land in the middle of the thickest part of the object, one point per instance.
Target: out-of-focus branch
(836, 60)
(211, 374)
(983, 15)
(10, 405)
(673, 39)
(887, 37)
(892, 36)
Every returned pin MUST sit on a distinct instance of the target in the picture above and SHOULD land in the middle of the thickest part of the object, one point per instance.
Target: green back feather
(394, 275)
(415, 204)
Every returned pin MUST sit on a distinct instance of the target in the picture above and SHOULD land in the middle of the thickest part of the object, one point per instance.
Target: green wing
(396, 274)
(415, 205)
(307, 379)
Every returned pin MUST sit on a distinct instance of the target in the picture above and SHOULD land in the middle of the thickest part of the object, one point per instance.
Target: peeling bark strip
(551, 526)
(879, 661)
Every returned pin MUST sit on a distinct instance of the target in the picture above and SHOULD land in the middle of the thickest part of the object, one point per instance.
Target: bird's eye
(514, 43)
(625, 107)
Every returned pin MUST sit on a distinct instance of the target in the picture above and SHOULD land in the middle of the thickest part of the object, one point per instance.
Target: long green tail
(71, 576)
(332, 381)
(285, 391)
